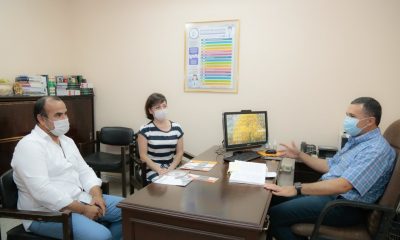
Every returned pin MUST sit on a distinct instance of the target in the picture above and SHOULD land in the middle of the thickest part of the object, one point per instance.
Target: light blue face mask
(350, 126)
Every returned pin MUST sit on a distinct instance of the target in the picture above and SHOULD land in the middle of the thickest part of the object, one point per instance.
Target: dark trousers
(284, 212)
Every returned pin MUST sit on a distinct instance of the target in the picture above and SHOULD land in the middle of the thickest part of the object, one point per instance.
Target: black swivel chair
(109, 162)
(138, 168)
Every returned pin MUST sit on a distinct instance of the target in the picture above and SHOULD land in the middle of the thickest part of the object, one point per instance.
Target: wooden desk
(200, 210)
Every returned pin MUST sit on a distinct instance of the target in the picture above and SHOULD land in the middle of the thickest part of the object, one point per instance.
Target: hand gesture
(285, 191)
(290, 151)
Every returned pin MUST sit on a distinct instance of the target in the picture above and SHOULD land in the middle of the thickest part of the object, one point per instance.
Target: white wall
(35, 37)
(302, 61)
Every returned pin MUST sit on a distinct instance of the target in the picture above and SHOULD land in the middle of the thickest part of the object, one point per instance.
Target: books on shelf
(199, 165)
(247, 172)
(32, 85)
(73, 85)
(62, 85)
(175, 177)
(86, 88)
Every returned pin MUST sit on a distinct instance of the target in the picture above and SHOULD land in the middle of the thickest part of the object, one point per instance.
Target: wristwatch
(297, 186)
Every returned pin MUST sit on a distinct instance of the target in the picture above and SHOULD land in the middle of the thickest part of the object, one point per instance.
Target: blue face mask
(350, 126)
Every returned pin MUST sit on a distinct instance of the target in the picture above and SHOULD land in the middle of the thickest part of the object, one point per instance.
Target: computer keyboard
(243, 156)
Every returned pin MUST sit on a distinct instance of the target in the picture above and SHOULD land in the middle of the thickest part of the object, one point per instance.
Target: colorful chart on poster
(211, 56)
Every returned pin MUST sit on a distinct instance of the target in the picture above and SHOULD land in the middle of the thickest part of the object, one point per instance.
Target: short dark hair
(39, 106)
(371, 107)
(152, 100)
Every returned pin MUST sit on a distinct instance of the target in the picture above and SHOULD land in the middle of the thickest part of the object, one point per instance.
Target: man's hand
(92, 211)
(290, 151)
(286, 191)
(99, 202)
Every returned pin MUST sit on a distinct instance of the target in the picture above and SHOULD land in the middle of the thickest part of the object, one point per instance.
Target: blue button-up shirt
(367, 162)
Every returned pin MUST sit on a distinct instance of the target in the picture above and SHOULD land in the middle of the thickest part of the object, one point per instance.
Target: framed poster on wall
(211, 56)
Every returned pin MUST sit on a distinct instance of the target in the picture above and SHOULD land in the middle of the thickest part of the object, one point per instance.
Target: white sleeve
(87, 176)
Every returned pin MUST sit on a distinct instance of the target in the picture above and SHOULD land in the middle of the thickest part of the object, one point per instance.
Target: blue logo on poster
(193, 50)
(193, 61)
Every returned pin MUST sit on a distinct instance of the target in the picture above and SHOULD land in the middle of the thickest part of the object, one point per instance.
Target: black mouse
(271, 151)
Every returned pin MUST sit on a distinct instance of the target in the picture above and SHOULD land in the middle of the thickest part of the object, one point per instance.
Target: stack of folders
(247, 172)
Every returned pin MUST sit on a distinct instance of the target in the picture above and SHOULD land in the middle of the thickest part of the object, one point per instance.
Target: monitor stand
(237, 152)
(242, 155)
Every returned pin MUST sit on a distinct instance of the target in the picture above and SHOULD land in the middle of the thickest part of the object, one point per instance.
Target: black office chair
(9, 196)
(108, 162)
(138, 168)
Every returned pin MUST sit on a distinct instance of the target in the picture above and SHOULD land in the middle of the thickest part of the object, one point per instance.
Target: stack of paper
(247, 172)
(175, 177)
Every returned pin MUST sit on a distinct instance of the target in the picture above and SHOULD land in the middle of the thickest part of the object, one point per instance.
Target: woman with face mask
(161, 140)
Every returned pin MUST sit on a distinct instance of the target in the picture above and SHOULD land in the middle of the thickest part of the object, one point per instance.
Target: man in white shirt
(51, 176)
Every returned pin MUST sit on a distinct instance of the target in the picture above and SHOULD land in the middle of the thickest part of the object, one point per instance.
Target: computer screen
(245, 129)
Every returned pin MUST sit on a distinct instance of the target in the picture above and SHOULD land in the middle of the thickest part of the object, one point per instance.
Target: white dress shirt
(49, 176)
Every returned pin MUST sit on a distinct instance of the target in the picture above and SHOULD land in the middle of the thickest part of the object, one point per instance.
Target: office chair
(381, 214)
(138, 168)
(9, 196)
(109, 162)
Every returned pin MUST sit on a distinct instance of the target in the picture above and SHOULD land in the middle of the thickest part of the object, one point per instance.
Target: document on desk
(247, 172)
(175, 177)
(203, 178)
(199, 165)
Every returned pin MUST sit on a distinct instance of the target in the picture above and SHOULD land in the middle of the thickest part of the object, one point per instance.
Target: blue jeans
(104, 228)
(284, 212)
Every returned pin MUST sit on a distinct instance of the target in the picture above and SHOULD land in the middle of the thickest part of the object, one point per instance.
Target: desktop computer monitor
(245, 129)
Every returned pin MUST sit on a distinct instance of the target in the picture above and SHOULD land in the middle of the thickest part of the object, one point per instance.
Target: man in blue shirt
(358, 172)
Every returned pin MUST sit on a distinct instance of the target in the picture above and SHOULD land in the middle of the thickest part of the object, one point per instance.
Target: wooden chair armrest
(142, 166)
(35, 215)
(61, 217)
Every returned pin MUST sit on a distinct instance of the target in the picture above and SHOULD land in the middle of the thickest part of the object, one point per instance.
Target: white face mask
(161, 114)
(61, 127)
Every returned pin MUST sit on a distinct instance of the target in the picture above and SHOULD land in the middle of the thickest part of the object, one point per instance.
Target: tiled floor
(115, 189)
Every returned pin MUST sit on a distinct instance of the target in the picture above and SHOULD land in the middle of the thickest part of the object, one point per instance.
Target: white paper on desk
(247, 172)
(271, 175)
(175, 177)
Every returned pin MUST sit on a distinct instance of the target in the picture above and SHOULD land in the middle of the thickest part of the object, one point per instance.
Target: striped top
(161, 145)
